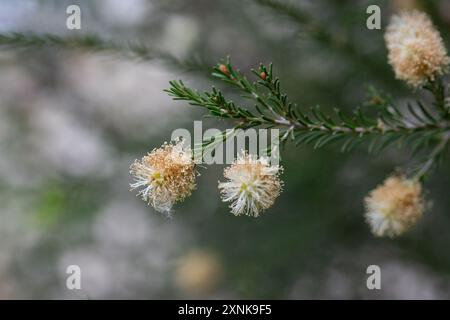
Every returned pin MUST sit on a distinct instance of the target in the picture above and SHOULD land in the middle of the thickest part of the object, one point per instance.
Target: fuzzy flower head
(394, 207)
(253, 185)
(164, 176)
(416, 50)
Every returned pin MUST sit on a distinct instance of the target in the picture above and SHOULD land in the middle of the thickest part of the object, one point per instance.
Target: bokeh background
(72, 121)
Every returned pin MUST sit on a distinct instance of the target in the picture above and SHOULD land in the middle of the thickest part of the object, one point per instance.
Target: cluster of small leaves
(216, 104)
(378, 123)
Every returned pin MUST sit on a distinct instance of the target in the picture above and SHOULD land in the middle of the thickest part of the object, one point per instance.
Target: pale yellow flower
(253, 185)
(416, 50)
(394, 207)
(164, 176)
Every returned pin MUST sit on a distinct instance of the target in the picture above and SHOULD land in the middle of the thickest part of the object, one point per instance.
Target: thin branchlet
(393, 207)
(134, 50)
(272, 108)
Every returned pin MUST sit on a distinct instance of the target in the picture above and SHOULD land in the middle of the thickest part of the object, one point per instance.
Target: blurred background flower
(198, 273)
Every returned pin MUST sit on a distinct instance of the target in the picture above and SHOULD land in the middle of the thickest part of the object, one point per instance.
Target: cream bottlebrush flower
(394, 207)
(164, 176)
(416, 50)
(253, 185)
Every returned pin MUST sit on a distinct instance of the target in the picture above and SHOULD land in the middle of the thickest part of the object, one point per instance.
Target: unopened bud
(224, 69)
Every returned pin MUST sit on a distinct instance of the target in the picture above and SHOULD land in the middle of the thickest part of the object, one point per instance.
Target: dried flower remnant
(394, 207)
(164, 176)
(416, 50)
(253, 185)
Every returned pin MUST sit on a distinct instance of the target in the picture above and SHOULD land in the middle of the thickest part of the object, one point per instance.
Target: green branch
(434, 156)
(437, 89)
(417, 128)
(297, 16)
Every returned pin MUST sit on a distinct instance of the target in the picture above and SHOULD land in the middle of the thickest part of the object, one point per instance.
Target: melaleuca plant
(167, 175)
(418, 57)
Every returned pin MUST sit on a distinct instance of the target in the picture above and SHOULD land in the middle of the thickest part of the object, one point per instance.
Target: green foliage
(53, 201)
(379, 123)
(93, 43)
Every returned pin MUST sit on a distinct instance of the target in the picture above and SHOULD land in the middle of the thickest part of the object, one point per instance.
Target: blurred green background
(71, 122)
